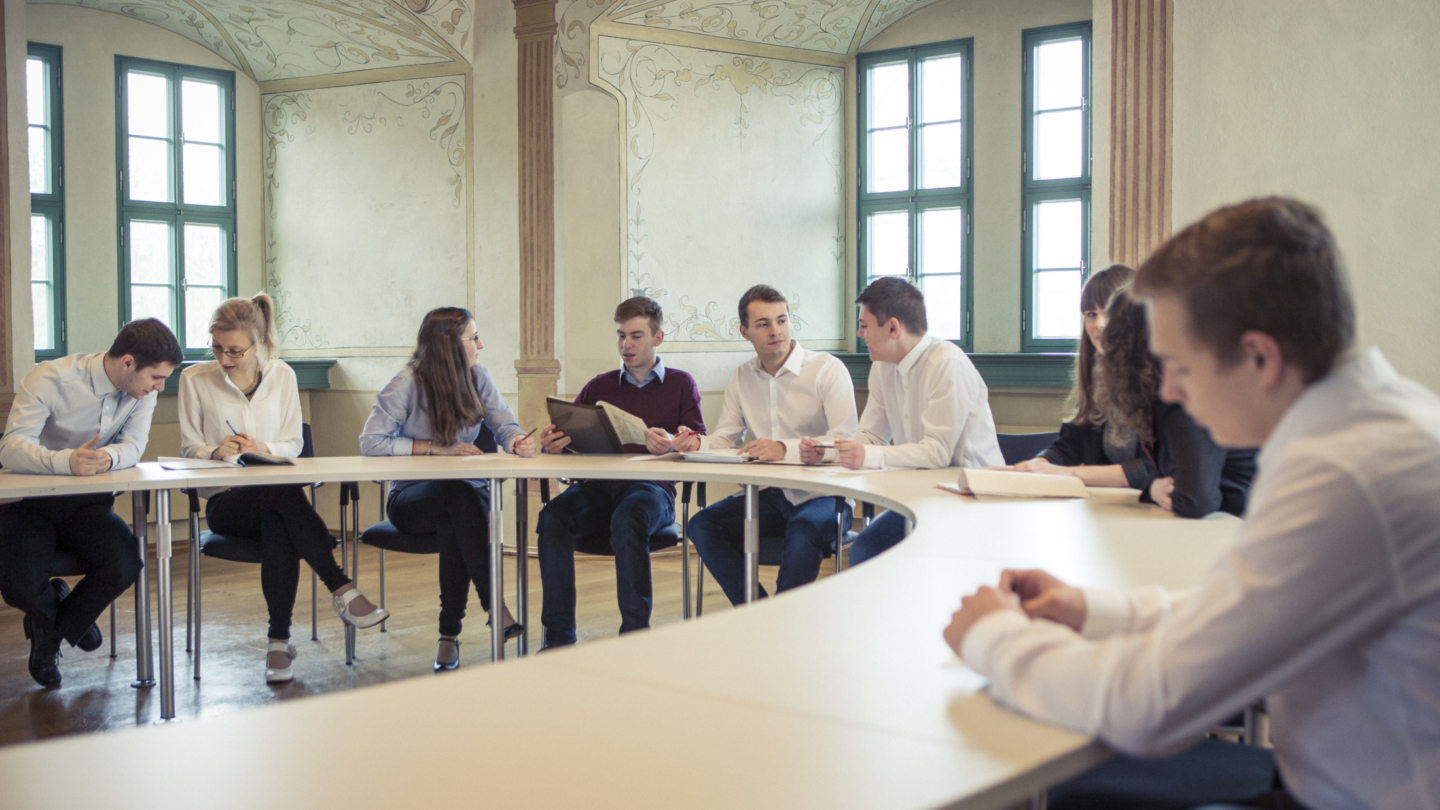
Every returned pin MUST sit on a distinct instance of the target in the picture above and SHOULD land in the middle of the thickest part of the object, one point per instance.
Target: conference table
(838, 694)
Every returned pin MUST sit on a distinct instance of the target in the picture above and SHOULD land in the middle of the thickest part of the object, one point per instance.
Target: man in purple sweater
(617, 517)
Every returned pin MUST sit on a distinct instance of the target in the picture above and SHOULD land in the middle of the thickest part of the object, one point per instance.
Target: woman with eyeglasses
(435, 407)
(247, 400)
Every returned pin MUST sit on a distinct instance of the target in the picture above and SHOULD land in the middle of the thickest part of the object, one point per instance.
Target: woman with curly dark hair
(1148, 444)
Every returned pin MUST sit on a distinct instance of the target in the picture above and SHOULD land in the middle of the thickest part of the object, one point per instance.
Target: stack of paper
(174, 463)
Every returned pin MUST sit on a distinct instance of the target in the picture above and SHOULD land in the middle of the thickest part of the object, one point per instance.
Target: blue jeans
(718, 532)
(1209, 772)
(882, 534)
(600, 517)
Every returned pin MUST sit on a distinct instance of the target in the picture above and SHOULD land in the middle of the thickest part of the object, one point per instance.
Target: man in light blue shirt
(78, 415)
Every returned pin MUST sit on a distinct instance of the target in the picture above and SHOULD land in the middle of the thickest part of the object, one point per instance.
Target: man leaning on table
(618, 515)
(84, 414)
(784, 394)
(925, 396)
(1328, 605)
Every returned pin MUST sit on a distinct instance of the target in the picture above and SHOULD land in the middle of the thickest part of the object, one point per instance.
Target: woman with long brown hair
(1081, 449)
(1159, 448)
(435, 407)
(247, 400)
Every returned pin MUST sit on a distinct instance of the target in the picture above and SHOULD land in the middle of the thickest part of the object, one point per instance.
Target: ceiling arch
(270, 40)
(827, 26)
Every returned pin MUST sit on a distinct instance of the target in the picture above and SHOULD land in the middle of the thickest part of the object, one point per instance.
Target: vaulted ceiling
(287, 39)
(271, 40)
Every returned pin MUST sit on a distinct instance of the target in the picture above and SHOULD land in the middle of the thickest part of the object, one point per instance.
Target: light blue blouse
(396, 420)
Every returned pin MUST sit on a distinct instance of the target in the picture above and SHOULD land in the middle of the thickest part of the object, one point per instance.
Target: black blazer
(1208, 477)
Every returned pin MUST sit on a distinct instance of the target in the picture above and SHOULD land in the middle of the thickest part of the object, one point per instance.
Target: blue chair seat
(384, 535)
(65, 564)
(665, 538)
(234, 549)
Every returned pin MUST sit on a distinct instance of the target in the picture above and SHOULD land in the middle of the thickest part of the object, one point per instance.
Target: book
(1004, 483)
(590, 427)
(628, 427)
(251, 459)
(1020, 484)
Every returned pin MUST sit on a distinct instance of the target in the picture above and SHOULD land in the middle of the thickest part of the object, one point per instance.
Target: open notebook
(242, 460)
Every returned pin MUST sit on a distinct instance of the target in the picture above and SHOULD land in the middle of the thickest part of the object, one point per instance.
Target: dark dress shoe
(551, 646)
(512, 631)
(441, 666)
(44, 654)
(91, 640)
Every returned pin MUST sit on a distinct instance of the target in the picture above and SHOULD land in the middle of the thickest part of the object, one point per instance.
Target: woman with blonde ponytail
(435, 407)
(248, 388)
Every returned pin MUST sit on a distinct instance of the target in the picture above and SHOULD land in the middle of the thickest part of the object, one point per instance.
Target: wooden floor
(96, 694)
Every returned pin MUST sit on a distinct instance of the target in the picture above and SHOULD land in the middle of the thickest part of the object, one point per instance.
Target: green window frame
(177, 252)
(45, 121)
(920, 220)
(1052, 197)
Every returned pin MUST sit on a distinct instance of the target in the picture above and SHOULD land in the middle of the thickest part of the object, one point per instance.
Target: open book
(1035, 485)
(601, 428)
(241, 460)
(730, 456)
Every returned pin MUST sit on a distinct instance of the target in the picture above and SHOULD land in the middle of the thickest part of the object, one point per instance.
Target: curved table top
(839, 694)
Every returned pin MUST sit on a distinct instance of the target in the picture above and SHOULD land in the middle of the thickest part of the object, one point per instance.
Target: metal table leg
(685, 549)
(497, 571)
(522, 562)
(144, 662)
(752, 543)
(163, 550)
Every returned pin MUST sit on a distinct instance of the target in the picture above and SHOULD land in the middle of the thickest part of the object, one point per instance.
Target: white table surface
(840, 694)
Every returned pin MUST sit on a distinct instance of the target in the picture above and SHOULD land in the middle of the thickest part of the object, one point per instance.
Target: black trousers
(1211, 773)
(87, 528)
(289, 531)
(458, 515)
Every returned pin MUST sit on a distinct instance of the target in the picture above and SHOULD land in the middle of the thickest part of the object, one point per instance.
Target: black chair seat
(600, 545)
(1018, 447)
(385, 536)
(65, 564)
(234, 549)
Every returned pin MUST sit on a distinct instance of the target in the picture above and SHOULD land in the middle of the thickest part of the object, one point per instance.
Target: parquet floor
(96, 694)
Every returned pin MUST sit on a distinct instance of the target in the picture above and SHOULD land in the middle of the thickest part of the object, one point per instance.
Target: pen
(232, 427)
(526, 436)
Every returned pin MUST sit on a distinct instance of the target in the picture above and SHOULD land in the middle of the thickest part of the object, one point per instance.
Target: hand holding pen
(234, 444)
(685, 441)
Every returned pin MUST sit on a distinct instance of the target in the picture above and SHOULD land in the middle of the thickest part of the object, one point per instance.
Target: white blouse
(208, 399)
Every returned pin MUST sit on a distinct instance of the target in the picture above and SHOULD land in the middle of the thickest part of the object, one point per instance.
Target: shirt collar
(99, 380)
(913, 356)
(795, 360)
(1325, 399)
(657, 373)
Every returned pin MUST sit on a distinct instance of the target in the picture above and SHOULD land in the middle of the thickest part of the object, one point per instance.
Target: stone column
(537, 369)
(1141, 68)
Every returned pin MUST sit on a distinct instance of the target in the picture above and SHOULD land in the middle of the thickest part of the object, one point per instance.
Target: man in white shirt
(1328, 606)
(925, 396)
(84, 414)
(784, 395)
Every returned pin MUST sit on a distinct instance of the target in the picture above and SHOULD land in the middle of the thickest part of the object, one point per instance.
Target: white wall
(1336, 104)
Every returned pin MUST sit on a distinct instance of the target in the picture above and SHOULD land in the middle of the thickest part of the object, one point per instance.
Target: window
(915, 188)
(1056, 186)
(44, 116)
(177, 194)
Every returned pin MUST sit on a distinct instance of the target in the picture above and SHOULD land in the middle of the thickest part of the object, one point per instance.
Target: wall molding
(998, 369)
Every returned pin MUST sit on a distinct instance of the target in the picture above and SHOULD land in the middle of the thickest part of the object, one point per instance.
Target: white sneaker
(341, 603)
(287, 672)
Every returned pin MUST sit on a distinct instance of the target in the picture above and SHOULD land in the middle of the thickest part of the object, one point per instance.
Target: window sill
(310, 374)
(998, 369)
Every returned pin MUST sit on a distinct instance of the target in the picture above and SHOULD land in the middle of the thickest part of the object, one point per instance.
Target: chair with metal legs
(668, 537)
(234, 549)
(772, 546)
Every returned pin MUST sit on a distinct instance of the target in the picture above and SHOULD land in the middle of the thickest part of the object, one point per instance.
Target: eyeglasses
(475, 338)
(230, 353)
